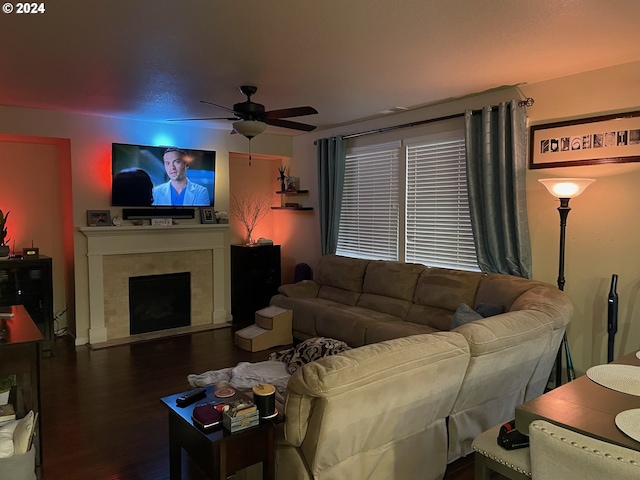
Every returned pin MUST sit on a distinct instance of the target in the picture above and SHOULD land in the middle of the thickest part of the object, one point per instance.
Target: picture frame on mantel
(98, 218)
(586, 141)
(207, 215)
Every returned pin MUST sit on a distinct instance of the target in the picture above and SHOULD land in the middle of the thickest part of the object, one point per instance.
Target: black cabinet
(255, 278)
(29, 282)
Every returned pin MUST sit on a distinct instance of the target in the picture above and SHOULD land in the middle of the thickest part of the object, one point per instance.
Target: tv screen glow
(146, 176)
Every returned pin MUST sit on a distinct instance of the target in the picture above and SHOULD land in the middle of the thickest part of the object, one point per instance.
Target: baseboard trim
(145, 337)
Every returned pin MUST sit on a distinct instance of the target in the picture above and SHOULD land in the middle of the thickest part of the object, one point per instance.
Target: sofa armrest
(303, 289)
(352, 400)
(298, 406)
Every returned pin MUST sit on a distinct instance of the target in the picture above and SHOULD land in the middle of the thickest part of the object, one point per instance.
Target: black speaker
(144, 213)
(255, 278)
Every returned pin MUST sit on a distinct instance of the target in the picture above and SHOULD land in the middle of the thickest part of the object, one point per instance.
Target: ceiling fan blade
(218, 106)
(276, 122)
(200, 118)
(291, 112)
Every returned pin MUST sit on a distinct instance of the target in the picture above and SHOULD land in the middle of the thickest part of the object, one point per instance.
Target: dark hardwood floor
(101, 412)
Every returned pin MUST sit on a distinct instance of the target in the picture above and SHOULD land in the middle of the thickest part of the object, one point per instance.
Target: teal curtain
(331, 153)
(496, 168)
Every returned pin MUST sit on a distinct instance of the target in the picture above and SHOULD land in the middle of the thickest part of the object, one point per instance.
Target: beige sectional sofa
(365, 302)
(377, 412)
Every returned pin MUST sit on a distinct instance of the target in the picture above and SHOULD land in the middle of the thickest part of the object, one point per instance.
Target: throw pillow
(464, 314)
(23, 433)
(308, 351)
(489, 309)
(6, 438)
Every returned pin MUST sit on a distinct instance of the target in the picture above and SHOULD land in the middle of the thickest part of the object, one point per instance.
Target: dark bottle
(612, 311)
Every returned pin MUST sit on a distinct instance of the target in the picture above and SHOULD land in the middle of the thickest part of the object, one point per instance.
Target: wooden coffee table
(218, 452)
(585, 407)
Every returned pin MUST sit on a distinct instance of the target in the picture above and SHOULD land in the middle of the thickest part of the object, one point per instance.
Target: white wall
(91, 138)
(603, 226)
(35, 184)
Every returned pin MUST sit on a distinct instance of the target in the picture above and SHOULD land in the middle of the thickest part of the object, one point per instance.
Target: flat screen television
(146, 176)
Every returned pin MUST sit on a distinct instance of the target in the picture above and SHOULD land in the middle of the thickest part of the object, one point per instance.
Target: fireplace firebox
(159, 302)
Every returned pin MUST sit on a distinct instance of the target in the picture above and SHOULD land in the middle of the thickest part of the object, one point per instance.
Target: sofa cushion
(349, 323)
(381, 303)
(437, 318)
(382, 331)
(341, 272)
(446, 289)
(392, 279)
(338, 295)
(502, 289)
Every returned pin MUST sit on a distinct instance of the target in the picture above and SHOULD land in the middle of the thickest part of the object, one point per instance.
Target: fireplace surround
(117, 253)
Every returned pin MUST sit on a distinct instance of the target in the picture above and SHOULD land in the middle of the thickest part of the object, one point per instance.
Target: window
(431, 225)
(369, 217)
(438, 225)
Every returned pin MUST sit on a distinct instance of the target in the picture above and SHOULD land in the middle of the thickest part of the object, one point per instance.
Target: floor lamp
(565, 189)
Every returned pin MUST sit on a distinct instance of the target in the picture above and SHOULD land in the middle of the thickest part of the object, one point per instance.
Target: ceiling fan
(251, 118)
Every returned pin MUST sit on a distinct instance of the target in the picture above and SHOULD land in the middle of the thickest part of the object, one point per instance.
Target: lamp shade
(249, 128)
(566, 187)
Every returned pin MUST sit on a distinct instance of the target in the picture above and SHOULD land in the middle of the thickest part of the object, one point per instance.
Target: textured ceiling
(350, 59)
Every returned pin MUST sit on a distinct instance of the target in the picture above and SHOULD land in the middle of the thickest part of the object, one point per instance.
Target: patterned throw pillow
(308, 351)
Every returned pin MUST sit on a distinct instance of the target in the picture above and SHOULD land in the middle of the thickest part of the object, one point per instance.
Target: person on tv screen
(132, 187)
(179, 190)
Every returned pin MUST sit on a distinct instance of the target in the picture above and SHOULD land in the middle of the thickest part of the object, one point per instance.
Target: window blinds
(369, 218)
(438, 225)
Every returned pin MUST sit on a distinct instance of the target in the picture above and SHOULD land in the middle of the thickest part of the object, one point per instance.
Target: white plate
(629, 422)
(621, 378)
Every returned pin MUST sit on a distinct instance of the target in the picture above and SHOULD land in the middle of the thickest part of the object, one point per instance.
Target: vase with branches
(249, 208)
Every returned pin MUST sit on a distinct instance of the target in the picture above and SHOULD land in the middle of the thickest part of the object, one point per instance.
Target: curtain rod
(527, 102)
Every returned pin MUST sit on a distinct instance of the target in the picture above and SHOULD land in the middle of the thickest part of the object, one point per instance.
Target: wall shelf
(292, 192)
(291, 208)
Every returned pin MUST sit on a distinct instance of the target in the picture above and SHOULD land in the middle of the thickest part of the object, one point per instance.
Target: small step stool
(272, 328)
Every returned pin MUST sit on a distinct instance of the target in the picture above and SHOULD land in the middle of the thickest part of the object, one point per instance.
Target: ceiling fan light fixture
(249, 128)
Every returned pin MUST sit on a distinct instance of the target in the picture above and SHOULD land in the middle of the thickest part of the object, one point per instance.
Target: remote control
(190, 397)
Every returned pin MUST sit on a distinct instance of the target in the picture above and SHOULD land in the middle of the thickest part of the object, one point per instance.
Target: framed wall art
(586, 141)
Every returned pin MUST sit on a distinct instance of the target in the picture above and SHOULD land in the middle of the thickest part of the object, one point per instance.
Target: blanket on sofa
(276, 371)
(245, 375)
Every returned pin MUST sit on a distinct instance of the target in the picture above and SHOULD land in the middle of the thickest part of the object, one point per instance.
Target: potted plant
(4, 248)
(6, 381)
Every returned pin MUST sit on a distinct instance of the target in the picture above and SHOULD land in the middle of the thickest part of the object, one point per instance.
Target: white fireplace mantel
(125, 240)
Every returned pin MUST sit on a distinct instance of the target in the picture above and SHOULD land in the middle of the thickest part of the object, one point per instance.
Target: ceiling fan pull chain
(249, 152)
